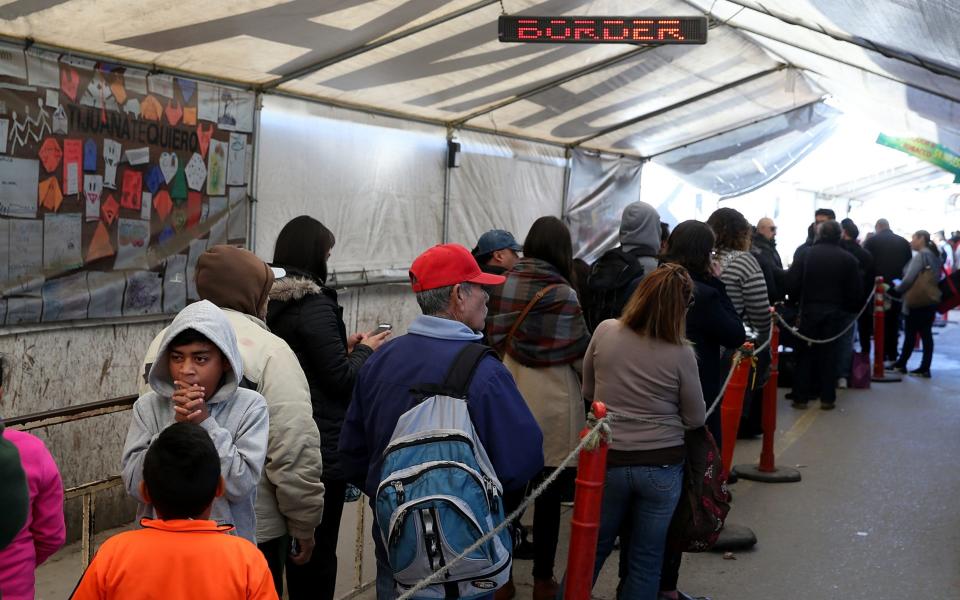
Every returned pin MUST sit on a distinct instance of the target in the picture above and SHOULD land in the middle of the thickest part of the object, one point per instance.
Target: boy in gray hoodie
(196, 379)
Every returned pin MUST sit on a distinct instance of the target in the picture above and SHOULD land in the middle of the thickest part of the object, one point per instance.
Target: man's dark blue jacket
(504, 424)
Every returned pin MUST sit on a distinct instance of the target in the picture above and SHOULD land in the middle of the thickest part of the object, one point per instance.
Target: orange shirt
(177, 559)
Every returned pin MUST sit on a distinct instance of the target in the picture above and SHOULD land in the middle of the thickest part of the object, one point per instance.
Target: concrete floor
(875, 516)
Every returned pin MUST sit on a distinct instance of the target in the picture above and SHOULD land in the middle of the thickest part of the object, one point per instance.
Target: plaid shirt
(553, 333)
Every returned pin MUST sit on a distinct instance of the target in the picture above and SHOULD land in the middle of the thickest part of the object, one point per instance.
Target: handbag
(704, 499)
(924, 291)
(860, 371)
(950, 297)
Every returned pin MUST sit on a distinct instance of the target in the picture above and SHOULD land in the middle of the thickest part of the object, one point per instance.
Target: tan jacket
(290, 494)
(553, 396)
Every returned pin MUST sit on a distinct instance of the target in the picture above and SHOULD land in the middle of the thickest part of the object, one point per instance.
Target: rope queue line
(597, 434)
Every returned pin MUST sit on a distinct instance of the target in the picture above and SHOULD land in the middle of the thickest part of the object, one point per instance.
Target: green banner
(945, 158)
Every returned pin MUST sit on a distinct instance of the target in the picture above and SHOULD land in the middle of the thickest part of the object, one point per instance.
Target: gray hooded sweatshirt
(238, 423)
(640, 234)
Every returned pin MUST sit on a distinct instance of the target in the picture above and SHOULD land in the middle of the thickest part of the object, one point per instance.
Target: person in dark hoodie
(827, 282)
(196, 378)
(764, 248)
(290, 494)
(305, 313)
(617, 273)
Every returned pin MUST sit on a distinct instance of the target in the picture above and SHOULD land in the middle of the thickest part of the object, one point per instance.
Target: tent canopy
(439, 61)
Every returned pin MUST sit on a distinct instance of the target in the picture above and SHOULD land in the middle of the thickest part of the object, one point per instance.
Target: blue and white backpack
(438, 493)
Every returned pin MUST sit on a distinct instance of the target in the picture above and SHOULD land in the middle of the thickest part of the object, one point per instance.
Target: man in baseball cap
(497, 251)
(448, 285)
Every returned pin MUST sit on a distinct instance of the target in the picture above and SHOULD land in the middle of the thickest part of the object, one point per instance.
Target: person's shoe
(799, 404)
(524, 550)
(899, 368)
(842, 383)
(889, 364)
(920, 373)
(827, 405)
(507, 592)
(545, 589)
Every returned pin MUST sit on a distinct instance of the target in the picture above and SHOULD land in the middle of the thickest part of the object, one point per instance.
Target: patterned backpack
(704, 500)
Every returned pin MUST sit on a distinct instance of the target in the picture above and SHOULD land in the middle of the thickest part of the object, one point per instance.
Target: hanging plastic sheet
(742, 160)
(376, 182)
(601, 185)
(503, 183)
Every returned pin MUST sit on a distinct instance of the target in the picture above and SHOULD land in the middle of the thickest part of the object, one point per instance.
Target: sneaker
(899, 368)
(828, 405)
(842, 383)
(889, 364)
(920, 373)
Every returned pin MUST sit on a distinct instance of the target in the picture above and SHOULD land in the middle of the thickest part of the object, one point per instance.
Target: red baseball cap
(448, 264)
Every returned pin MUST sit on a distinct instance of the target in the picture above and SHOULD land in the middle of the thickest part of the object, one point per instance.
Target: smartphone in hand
(382, 327)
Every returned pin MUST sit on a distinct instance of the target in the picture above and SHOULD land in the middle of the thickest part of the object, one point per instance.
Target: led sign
(610, 30)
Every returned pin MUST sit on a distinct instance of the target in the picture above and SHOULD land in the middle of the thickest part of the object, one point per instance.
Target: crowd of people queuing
(258, 410)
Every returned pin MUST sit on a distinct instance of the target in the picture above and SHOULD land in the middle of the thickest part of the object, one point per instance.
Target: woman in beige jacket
(537, 325)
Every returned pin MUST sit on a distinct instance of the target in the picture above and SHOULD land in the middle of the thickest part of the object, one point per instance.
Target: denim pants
(647, 496)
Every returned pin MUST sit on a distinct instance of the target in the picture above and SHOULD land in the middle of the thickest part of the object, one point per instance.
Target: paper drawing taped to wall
(107, 179)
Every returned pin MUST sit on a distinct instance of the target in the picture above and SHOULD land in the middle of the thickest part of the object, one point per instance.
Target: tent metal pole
(902, 82)
(680, 104)
(870, 45)
(447, 175)
(322, 64)
(732, 129)
(253, 192)
(567, 176)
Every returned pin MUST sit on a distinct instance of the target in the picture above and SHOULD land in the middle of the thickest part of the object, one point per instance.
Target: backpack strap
(523, 314)
(457, 381)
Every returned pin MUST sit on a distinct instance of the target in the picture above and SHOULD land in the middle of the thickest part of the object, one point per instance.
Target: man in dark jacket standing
(891, 253)
(868, 273)
(827, 282)
(447, 282)
(764, 248)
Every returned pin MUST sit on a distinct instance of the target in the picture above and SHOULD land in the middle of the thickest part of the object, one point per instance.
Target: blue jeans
(647, 496)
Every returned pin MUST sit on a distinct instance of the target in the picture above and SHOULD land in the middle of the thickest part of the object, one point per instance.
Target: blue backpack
(438, 492)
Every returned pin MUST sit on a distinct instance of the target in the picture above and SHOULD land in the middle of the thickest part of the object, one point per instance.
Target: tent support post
(447, 173)
(567, 175)
(252, 191)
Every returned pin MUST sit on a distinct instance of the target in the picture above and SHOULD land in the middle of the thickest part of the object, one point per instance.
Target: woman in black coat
(306, 315)
(712, 325)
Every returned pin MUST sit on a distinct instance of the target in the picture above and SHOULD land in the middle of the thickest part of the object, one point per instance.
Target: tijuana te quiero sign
(610, 30)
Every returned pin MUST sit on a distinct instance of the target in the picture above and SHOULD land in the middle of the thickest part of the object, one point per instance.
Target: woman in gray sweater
(644, 369)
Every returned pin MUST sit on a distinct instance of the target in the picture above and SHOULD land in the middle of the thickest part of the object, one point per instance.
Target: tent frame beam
(389, 39)
(864, 43)
(732, 129)
(685, 102)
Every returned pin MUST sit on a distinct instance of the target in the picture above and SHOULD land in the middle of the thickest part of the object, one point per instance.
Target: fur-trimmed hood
(290, 288)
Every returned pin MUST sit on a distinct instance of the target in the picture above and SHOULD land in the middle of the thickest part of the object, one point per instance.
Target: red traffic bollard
(585, 526)
(879, 371)
(767, 471)
(732, 406)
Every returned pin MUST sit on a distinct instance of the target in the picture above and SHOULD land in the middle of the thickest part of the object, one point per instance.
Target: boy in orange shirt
(169, 558)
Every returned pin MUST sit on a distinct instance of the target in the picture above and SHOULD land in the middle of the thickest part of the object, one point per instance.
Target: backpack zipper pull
(398, 485)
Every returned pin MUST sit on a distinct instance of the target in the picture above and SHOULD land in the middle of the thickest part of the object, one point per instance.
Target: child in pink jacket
(45, 531)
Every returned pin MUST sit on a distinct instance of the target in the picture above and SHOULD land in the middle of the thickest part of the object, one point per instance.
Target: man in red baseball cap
(448, 284)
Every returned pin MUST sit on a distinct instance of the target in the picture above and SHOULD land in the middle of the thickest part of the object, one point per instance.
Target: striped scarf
(553, 333)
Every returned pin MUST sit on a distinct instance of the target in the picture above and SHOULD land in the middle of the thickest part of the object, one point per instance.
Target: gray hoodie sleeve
(241, 459)
(143, 431)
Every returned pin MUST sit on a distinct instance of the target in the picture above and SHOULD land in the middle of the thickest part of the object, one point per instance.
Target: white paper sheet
(4, 254)
(62, 242)
(106, 294)
(220, 215)
(217, 168)
(111, 158)
(146, 202)
(208, 102)
(13, 63)
(197, 247)
(196, 172)
(133, 239)
(161, 85)
(43, 70)
(4, 132)
(66, 298)
(237, 159)
(18, 186)
(239, 207)
(26, 308)
(143, 295)
(235, 112)
(175, 284)
(92, 192)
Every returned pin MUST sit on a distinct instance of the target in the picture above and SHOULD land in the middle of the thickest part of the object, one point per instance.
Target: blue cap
(496, 239)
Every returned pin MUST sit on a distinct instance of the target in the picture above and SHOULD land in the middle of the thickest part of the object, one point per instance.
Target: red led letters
(623, 30)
